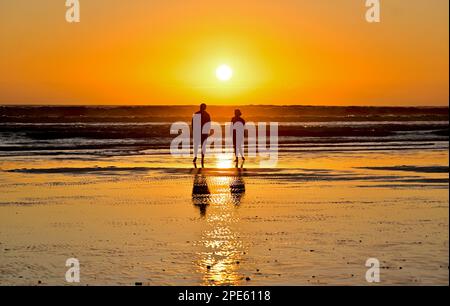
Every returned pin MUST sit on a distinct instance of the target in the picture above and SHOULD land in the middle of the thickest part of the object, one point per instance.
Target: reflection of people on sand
(237, 188)
(201, 125)
(218, 195)
(222, 190)
(201, 195)
(237, 127)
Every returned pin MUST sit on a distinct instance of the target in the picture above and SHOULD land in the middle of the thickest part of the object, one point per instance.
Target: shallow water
(314, 219)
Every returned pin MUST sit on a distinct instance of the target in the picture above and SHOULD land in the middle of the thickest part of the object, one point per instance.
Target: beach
(130, 212)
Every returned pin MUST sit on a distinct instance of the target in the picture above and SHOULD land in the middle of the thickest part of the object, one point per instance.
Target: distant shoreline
(257, 113)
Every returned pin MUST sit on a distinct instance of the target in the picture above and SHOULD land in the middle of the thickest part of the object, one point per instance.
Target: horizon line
(222, 105)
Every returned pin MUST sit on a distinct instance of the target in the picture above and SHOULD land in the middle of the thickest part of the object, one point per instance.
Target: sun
(224, 73)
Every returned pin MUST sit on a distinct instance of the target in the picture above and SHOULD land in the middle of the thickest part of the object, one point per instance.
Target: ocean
(111, 131)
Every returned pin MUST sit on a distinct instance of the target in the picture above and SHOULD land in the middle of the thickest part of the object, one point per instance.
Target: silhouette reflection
(220, 247)
(237, 189)
(223, 189)
(201, 195)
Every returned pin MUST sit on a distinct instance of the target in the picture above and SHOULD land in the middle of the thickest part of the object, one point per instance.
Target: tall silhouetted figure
(201, 126)
(238, 127)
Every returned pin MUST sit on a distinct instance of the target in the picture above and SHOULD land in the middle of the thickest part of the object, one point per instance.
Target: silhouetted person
(238, 124)
(201, 126)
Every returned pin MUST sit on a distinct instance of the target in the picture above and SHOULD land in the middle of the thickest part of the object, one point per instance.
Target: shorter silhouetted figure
(201, 126)
(238, 124)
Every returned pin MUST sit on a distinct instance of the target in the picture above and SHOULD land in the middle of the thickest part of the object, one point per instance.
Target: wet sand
(315, 219)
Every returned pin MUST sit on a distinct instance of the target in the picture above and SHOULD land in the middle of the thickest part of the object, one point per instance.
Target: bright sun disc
(224, 73)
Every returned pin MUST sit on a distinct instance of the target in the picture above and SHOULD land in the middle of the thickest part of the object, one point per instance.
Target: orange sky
(282, 52)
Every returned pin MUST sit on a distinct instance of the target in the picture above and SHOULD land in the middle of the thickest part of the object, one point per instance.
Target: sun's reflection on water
(221, 247)
(224, 161)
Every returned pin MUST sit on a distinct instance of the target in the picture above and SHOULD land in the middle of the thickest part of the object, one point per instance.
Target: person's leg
(196, 145)
(235, 148)
(240, 148)
(204, 142)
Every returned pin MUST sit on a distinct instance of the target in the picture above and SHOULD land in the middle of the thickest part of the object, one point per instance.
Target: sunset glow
(224, 73)
(224, 151)
(288, 52)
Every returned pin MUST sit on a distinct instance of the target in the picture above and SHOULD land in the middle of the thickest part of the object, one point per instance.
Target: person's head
(237, 113)
(203, 107)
